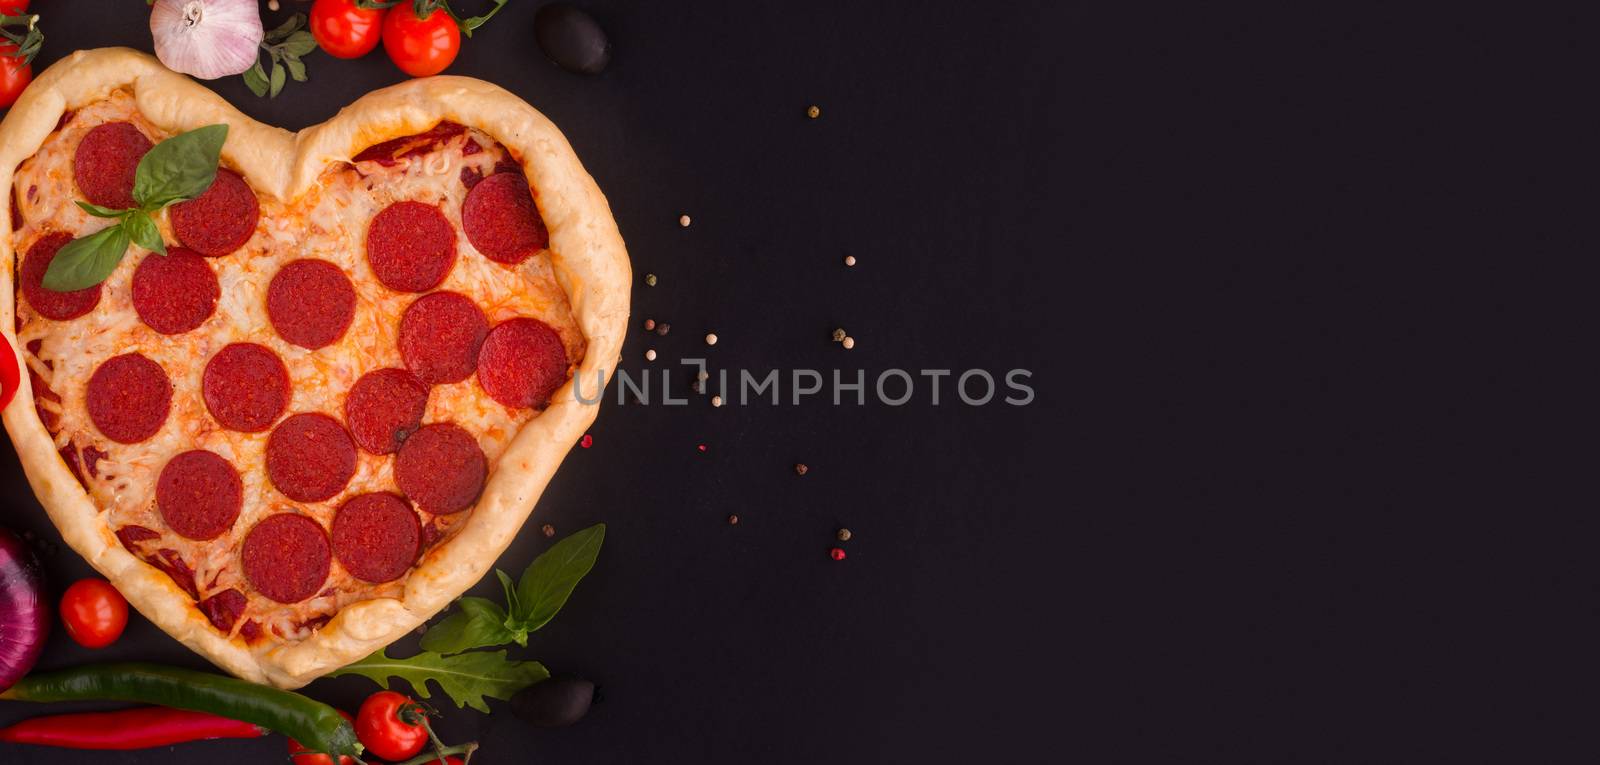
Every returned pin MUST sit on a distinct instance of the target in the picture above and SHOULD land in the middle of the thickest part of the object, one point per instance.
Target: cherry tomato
(381, 729)
(94, 612)
(420, 47)
(14, 75)
(320, 759)
(10, 375)
(344, 29)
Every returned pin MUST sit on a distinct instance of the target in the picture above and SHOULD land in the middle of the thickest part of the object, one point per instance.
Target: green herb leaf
(255, 78)
(100, 212)
(297, 69)
(478, 622)
(512, 623)
(466, 678)
(299, 44)
(143, 232)
(181, 167)
(287, 28)
(88, 261)
(547, 584)
(278, 78)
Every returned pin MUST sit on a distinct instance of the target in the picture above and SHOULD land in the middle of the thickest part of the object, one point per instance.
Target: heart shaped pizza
(321, 413)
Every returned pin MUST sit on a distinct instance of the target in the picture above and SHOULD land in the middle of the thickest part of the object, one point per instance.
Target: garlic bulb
(206, 38)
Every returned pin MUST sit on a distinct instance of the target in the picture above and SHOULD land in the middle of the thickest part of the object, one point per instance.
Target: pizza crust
(587, 254)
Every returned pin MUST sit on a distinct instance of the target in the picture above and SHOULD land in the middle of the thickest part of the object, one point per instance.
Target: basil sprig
(179, 168)
(530, 604)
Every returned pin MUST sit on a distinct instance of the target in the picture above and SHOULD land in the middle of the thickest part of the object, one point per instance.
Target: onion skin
(24, 609)
(207, 38)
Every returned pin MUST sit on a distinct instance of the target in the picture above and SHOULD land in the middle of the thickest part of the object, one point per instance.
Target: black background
(944, 160)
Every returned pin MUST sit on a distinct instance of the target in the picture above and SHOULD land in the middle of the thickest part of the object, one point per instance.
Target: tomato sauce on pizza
(301, 399)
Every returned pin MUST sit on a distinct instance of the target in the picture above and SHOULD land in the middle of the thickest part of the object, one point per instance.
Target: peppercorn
(733, 520)
(836, 554)
(650, 355)
(663, 328)
(843, 535)
(838, 335)
(650, 280)
(800, 468)
(711, 338)
(683, 220)
(716, 401)
(649, 324)
(848, 343)
(849, 260)
(813, 111)
(587, 441)
(548, 530)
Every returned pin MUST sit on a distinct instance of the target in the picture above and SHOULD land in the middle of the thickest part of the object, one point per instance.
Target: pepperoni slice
(311, 303)
(310, 457)
(385, 406)
(440, 335)
(441, 468)
(376, 537)
(105, 163)
(411, 246)
(245, 387)
(58, 306)
(500, 219)
(176, 292)
(522, 363)
(221, 219)
(286, 557)
(199, 494)
(128, 398)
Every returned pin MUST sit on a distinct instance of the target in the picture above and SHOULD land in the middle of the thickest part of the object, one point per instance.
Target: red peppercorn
(587, 441)
(836, 554)
(702, 448)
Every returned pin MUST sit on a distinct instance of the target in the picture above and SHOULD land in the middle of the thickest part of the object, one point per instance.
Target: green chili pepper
(314, 724)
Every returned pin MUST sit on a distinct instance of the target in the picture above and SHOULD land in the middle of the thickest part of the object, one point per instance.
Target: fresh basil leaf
(549, 581)
(278, 78)
(297, 68)
(181, 167)
(513, 623)
(100, 212)
(255, 78)
(143, 232)
(299, 44)
(477, 623)
(511, 591)
(466, 678)
(88, 261)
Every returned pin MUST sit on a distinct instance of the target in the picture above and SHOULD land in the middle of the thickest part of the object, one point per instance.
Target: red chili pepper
(10, 374)
(137, 728)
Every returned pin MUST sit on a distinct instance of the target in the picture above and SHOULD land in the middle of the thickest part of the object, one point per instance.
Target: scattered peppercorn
(650, 280)
(702, 448)
(696, 387)
(849, 343)
(843, 535)
(649, 324)
(716, 401)
(587, 441)
(836, 554)
(683, 220)
(838, 335)
(650, 355)
(702, 375)
(813, 111)
(711, 338)
(849, 260)
(733, 520)
(663, 328)
(548, 530)
(800, 468)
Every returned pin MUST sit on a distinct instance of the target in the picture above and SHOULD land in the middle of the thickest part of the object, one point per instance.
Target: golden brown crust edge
(590, 262)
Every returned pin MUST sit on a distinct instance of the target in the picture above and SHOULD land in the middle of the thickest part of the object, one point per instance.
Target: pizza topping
(224, 608)
(245, 387)
(411, 246)
(105, 163)
(385, 406)
(221, 219)
(199, 494)
(441, 468)
(310, 457)
(59, 306)
(500, 219)
(522, 363)
(311, 303)
(128, 398)
(389, 153)
(175, 293)
(286, 557)
(440, 337)
(376, 537)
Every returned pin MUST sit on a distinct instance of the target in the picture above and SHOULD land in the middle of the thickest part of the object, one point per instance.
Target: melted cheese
(328, 222)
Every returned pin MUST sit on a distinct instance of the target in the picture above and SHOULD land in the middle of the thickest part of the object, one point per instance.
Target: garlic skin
(206, 38)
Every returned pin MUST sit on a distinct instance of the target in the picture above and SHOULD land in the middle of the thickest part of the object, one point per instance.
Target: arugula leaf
(88, 261)
(466, 678)
(142, 230)
(98, 211)
(181, 167)
(547, 584)
(478, 622)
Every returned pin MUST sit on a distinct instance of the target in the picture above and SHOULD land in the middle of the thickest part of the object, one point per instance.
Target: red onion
(24, 609)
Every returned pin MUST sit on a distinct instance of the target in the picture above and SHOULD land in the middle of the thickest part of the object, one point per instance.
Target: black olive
(555, 702)
(572, 39)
